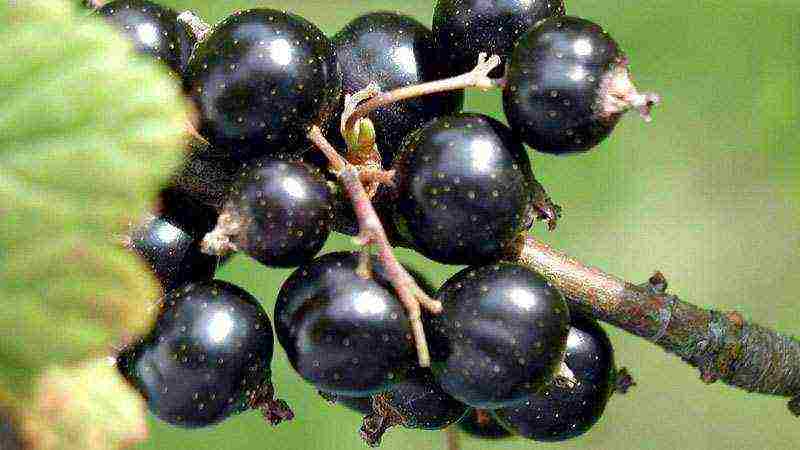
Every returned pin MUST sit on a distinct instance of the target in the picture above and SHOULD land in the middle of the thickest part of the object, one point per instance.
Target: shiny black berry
(279, 212)
(205, 176)
(361, 405)
(567, 86)
(464, 189)
(393, 50)
(207, 358)
(187, 40)
(481, 424)
(417, 402)
(344, 333)
(465, 28)
(260, 79)
(172, 251)
(153, 29)
(560, 411)
(185, 210)
(501, 336)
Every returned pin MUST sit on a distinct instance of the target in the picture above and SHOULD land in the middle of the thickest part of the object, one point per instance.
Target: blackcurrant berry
(464, 189)
(184, 210)
(560, 412)
(279, 212)
(187, 40)
(417, 402)
(260, 79)
(343, 332)
(500, 337)
(481, 424)
(465, 28)
(207, 358)
(205, 176)
(393, 50)
(567, 85)
(153, 29)
(172, 252)
(361, 405)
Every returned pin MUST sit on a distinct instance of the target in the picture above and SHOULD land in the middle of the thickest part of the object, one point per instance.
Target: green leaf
(87, 407)
(89, 130)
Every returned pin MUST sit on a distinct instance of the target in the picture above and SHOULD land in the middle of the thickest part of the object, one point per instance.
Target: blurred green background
(709, 194)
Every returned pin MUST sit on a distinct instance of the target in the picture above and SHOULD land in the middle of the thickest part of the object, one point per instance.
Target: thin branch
(371, 232)
(721, 344)
(475, 78)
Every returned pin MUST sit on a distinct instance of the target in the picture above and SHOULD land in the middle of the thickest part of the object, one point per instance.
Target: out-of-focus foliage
(88, 131)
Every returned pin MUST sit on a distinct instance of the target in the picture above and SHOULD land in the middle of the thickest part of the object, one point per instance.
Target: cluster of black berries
(508, 356)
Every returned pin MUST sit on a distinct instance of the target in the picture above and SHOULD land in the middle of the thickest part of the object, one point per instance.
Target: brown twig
(371, 232)
(475, 78)
(721, 344)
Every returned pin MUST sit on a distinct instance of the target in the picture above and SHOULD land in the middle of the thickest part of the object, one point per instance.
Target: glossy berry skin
(554, 91)
(205, 176)
(361, 405)
(187, 41)
(501, 336)
(343, 333)
(153, 29)
(284, 212)
(260, 80)
(172, 252)
(423, 404)
(393, 50)
(207, 356)
(465, 28)
(559, 413)
(482, 425)
(464, 189)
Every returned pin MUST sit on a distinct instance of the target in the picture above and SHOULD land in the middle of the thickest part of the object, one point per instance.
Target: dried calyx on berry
(567, 85)
(417, 402)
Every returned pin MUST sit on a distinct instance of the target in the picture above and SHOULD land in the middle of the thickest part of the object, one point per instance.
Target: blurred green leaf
(88, 132)
(110, 413)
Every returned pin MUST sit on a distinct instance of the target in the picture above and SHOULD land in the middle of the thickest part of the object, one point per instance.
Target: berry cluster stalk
(721, 344)
(475, 78)
(371, 232)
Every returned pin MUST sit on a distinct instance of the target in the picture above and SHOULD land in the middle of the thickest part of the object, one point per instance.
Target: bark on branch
(722, 345)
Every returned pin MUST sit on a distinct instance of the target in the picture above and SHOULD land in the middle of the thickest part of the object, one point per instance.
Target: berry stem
(195, 23)
(371, 232)
(722, 345)
(475, 78)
